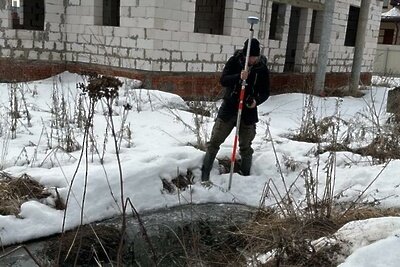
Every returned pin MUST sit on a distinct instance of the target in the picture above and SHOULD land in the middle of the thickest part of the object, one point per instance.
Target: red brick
(187, 85)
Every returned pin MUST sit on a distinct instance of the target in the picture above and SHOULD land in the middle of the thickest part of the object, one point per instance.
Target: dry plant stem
(177, 238)
(91, 227)
(289, 208)
(14, 113)
(264, 194)
(142, 230)
(27, 251)
(20, 121)
(330, 184)
(85, 149)
(85, 136)
(4, 151)
(106, 175)
(365, 189)
(196, 130)
(121, 180)
(79, 249)
(375, 113)
(28, 114)
(277, 160)
(89, 125)
(123, 122)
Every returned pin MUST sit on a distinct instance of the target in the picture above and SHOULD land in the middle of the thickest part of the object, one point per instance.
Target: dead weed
(289, 239)
(86, 246)
(16, 190)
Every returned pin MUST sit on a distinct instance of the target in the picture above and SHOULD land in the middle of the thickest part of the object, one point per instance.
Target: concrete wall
(158, 35)
(154, 35)
(387, 60)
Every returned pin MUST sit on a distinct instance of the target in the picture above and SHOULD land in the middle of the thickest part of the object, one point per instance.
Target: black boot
(245, 166)
(207, 166)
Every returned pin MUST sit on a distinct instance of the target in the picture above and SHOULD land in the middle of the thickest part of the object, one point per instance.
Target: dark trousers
(219, 133)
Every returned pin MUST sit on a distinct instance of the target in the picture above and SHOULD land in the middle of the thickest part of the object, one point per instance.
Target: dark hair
(254, 47)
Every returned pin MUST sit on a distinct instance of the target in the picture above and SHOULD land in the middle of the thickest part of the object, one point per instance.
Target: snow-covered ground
(161, 129)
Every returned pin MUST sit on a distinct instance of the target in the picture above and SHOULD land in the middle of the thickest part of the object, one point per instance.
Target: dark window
(395, 2)
(277, 21)
(30, 16)
(352, 25)
(209, 16)
(316, 27)
(385, 4)
(111, 12)
(388, 36)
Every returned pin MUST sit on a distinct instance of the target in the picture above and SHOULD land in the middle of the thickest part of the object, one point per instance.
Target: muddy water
(193, 235)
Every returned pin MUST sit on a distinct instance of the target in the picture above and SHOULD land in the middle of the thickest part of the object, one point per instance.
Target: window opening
(388, 36)
(209, 16)
(28, 14)
(291, 47)
(111, 12)
(277, 21)
(395, 2)
(352, 25)
(316, 27)
(107, 12)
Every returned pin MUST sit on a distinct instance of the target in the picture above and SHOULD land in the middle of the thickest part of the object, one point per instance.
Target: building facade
(177, 45)
(390, 22)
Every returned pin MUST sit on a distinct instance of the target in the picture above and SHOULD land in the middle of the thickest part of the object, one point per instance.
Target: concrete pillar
(319, 83)
(360, 43)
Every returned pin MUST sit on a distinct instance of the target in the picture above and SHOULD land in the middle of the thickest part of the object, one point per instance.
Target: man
(256, 92)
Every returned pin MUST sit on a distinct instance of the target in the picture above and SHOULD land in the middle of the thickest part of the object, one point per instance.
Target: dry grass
(16, 190)
(290, 238)
(342, 92)
(81, 246)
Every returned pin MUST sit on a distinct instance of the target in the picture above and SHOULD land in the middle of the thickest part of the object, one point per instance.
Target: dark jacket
(257, 87)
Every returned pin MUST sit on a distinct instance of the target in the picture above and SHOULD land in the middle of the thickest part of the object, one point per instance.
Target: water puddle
(202, 235)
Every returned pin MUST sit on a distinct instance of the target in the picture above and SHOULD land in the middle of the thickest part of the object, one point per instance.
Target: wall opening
(388, 36)
(209, 16)
(395, 2)
(277, 22)
(107, 12)
(316, 27)
(28, 14)
(385, 4)
(16, 15)
(290, 58)
(111, 12)
(352, 25)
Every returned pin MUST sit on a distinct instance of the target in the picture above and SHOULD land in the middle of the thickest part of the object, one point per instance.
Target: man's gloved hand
(250, 102)
(244, 74)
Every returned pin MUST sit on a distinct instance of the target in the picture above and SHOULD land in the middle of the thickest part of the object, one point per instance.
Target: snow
(393, 12)
(161, 131)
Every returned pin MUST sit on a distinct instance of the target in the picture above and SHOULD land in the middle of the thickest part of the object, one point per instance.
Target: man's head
(254, 50)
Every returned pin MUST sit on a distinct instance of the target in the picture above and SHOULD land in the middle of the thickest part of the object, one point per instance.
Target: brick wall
(187, 85)
(158, 36)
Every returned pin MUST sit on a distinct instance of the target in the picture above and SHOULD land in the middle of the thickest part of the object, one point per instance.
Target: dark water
(194, 235)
